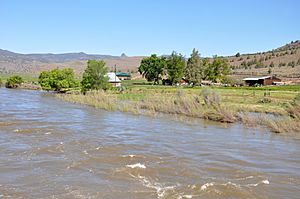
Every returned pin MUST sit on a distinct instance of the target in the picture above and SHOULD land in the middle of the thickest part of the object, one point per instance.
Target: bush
(57, 79)
(281, 64)
(265, 100)
(211, 98)
(228, 80)
(0, 82)
(14, 82)
(292, 64)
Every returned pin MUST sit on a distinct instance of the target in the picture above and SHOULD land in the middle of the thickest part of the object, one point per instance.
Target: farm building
(267, 80)
(123, 76)
(114, 80)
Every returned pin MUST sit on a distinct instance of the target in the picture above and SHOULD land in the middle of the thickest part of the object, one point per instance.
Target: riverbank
(227, 105)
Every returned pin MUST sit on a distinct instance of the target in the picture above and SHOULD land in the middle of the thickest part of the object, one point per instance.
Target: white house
(113, 79)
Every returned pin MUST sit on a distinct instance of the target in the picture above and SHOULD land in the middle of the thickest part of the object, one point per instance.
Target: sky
(143, 27)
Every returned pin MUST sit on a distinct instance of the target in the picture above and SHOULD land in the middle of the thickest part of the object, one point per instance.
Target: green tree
(194, 68)
(269, 71)
(14, 82)
(272, 65)
(175, 67)
(217, 70)
(95, 76)
(58, 79)
(152, 68)
(237, 55)
(0, 82)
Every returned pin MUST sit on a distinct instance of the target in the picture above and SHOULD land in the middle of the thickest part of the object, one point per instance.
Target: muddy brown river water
(53, 149)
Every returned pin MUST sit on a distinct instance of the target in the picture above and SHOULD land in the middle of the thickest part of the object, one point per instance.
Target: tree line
(170, 69)
(60, 80)
(175, 67)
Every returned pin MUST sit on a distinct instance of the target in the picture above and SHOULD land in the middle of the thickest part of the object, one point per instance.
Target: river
(53, 149)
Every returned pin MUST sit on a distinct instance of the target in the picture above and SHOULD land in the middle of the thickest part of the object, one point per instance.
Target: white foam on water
(61, 142)
(48, 133)
(187, 196)
(193, 186)
(265, 182)
(126, 156)
(137, 165)
(262, 182)
(98, 148)
(158, 187)
(16, 130)
(232, 184)
(85, 152)
(245, 178)
(206, 185)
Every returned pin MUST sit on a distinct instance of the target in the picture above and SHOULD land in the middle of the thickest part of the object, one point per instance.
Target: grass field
(269, 99)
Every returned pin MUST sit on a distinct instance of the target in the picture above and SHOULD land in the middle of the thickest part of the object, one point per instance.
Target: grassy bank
(217, 104)
(25, 77)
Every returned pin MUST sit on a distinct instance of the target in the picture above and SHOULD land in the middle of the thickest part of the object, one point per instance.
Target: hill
(11, 62)
(283, 62)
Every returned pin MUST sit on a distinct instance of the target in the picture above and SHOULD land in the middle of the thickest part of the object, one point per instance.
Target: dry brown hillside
(283, 62)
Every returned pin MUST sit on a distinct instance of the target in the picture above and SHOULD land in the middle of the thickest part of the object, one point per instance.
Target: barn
(123, 76)
(266, 80)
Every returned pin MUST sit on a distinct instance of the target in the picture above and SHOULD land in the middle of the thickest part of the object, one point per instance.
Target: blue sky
(142, 27)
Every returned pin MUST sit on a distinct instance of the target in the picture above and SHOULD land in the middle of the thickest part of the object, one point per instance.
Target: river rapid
(53, 149)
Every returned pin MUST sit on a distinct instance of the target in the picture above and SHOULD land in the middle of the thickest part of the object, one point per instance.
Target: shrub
(14, 82)
(57, 79)
(265, 100)
(281, 64)
(228, 80)
(292, 64)
(244, 64)
(294, 108)
(211, 97)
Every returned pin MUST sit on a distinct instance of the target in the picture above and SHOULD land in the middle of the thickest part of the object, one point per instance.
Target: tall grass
(206, 103)
(180, 103)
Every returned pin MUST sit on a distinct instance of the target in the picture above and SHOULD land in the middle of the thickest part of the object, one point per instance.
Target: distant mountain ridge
(11, 62)
(56, 58)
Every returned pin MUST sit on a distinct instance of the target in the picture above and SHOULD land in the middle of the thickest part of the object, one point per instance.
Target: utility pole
(115, 73)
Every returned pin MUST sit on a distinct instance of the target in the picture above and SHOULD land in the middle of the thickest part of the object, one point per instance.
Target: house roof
(113, 78)
(256, 78)
(122, 74)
